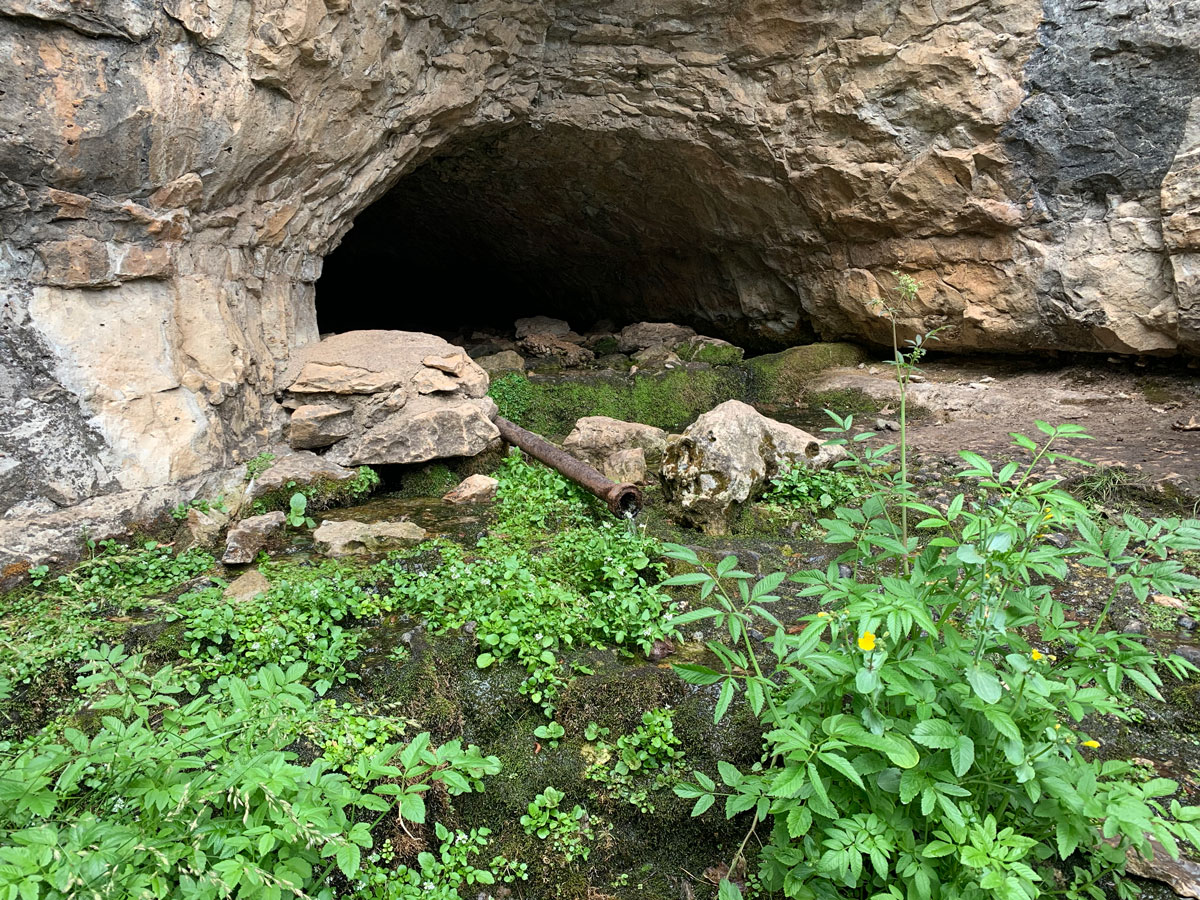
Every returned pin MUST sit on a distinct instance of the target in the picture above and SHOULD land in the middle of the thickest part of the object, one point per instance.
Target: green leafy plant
(346, 734)
(297, 514)
(534, 595)
(815, 491)
(568, 832)
(551, 733)
(259, 464)
(642, 762)
(923, 729)
(55, 619)
(179, 513)
(202, 798)
(513, 395)
(439, 876)
(365, 480)
(305, 616)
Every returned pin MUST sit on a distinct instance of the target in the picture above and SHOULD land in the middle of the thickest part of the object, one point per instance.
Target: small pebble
(1187, 623)
(756, 634)
(1134, 626)
(1058, 539)
(844, 570)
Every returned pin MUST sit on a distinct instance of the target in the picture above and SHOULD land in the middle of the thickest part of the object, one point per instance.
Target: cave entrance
(579, 225)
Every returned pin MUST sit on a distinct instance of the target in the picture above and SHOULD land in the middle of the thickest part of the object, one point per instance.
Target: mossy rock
(784, 377)
(714, 353)
(324, 493)
(428, 480)
(425, 687)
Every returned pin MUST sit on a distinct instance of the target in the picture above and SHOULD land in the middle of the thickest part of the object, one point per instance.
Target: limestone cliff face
(172, 176)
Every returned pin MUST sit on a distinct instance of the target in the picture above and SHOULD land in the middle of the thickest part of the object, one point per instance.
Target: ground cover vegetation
(917, 712)
(219, 773)
(925, 729)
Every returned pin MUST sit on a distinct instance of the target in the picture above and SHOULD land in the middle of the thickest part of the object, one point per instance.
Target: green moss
(424, 688)
(844, 402)
(432, 480)
(605, 346)
(668, 400)
(713, 354)
(783, 377)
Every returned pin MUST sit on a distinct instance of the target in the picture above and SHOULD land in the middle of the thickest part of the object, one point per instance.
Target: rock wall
(173, 175)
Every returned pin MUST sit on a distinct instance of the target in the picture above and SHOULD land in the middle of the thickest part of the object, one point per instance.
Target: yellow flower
(1092, 744)
(866, 642)
(1048, 516)
(1057, 726)
(1036, 654)
(822, 615)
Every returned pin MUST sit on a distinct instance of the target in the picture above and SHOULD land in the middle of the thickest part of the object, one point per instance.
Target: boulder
(727, 455)
(205, 527)
(297, 469)
(248, 536)
(625, 466)
(651, 334)
(500, 363)
(709, 350)
(317, 425)
(430, 428)
(475, 489)
(540, 325)
(347, 537)
(595, 438)
(379, 397)
(556, 347)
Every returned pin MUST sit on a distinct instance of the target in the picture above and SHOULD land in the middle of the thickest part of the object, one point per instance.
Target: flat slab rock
(349, 537)
(296, 469)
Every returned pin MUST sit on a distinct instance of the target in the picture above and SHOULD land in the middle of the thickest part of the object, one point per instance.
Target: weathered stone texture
(173, 175)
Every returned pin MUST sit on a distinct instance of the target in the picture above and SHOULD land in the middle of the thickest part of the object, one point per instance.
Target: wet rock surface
(247, 537)
(347, 537)
(473, 489)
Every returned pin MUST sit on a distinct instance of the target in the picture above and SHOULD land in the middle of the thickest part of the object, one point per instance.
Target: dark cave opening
(577, 225)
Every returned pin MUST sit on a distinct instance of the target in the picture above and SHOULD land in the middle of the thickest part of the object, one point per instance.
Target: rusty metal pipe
(625, 500)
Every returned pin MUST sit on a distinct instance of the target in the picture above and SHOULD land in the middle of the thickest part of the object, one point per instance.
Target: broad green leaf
(694, 673)
(962, 755)
(986, 685)
(935, 733)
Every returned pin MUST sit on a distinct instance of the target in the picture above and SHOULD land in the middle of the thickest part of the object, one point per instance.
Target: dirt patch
(975, 404)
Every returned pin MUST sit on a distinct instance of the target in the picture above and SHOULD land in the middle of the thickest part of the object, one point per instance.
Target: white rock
(349, 536)
(475, 489)
(725, 457)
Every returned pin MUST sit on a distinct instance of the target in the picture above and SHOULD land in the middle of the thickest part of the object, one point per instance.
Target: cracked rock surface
(174, 177)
